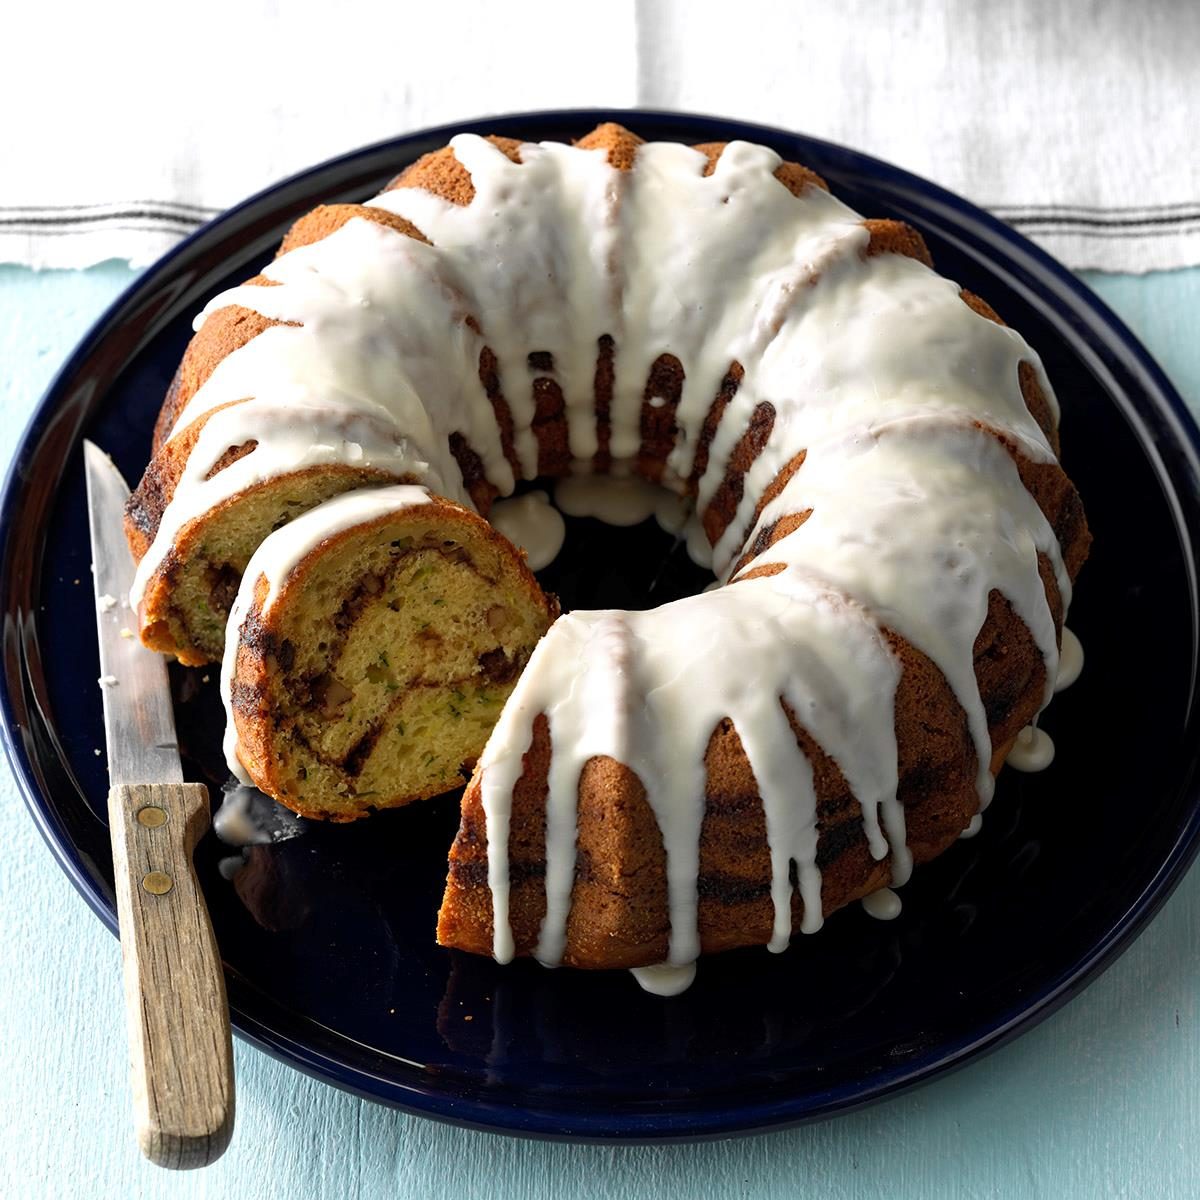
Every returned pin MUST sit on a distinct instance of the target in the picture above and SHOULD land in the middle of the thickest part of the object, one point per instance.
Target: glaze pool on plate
(328, 938)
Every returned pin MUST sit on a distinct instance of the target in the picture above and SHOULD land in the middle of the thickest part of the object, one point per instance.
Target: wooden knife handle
(181, 1052)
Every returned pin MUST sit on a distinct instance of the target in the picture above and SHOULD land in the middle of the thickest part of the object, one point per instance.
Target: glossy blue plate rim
(1168, 433)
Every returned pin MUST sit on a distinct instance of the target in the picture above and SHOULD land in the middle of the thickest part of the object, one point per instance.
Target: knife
(181, 1053)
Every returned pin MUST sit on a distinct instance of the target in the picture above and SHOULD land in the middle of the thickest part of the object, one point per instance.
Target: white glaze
(1032, 751)
(279, 555)
(533, 524)
(699, 551)
(872, 365)
(672, 512)
(939, 518)
(883, 905)
(233, 824)
(247, 817)
(229, 866)
(1070, 661)
(664, 979)
(615, 500)
(973, 827)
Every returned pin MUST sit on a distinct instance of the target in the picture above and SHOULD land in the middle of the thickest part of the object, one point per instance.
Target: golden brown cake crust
(148, 501)
(226, 330)
(329, 218)
(442, 174)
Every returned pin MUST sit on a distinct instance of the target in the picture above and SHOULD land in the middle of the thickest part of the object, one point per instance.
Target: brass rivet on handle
(152, 816)
(157, 883)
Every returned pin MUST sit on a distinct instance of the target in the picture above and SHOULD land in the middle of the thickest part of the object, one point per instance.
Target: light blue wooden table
(1103, 1099)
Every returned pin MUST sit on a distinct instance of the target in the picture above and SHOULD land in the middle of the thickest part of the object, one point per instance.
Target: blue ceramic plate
(328, 939)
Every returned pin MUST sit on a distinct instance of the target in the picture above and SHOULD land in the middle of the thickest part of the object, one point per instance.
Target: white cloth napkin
(126, 125)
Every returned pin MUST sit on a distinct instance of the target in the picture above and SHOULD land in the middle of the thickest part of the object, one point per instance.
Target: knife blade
(139, 723)
(181, 1052)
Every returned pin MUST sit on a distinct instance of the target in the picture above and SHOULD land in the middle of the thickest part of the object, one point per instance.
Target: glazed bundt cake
(371, 647)
(870, 454)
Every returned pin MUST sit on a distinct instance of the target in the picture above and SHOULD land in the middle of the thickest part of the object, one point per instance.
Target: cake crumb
(127, 633)
(108, 681)
(105, 602)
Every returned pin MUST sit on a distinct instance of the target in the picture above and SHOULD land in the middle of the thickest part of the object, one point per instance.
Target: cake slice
(217, 488)
(371, 646)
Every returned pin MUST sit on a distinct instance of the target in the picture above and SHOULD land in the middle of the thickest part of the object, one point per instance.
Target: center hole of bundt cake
(631, 567)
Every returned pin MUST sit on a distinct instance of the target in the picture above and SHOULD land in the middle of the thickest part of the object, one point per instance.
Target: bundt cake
(870, 453)
(371, 646)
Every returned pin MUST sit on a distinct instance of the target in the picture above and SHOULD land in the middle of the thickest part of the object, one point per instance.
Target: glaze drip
(1032, 751)
(1070, 662)
(531, 523)
(883, 905)
(665, 980)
